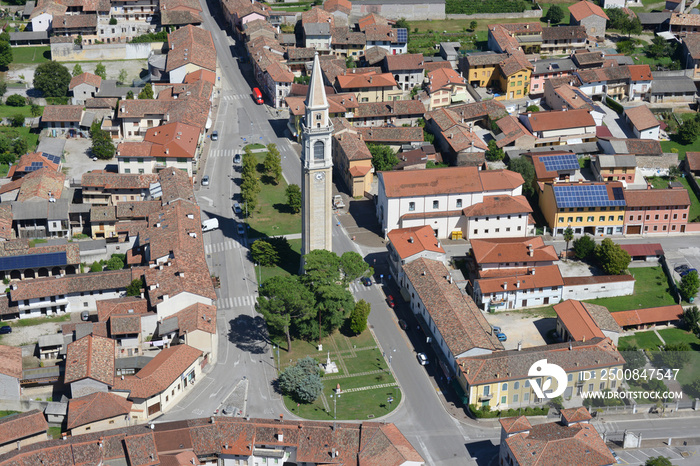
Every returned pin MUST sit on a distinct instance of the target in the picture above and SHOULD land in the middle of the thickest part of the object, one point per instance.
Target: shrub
(16, 100)
(112, 21)
(17, 120)
(614, 105)
(96, 267)
(584, 247)
(302, 381)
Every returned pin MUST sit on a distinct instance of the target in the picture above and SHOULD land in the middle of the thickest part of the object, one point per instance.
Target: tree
(293, 193)
(689, 286)
(494, 153)
(353, 266)
(16, 100)
(555, 14)
(584, 247)
(273, 163)
(115, 263)
(533, 108)
(674, 172)
(3, 86)
(611, 257)
(101, 71)
(130, 95)
(146, 92)
(17, 120)
(383, 158)
(473, 25)
(658, 48)
(334, 303)
(52, 79)
(634, 358)
(288, 307)
(264, 253)
(617, 18)
(403, 23)
(302, 382)
(358, 318)
(688, 131)
(35, 110)
(631, 26)
(250, 184)
(568, 236)
(77, 70)
(122, 76)
(691, 317)
(112, 21)
(523, 166)
(350, 62)
(658, 461)
(321, 267)
(102, 145)
(5, 54)
(78, 41)
(674, 356)
(96, 267)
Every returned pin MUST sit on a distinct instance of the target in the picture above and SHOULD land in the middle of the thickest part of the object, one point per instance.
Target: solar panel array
(587, 196)
(53, 158)
(402, 35)
(27, 261)
(34, 166)
(560, 162)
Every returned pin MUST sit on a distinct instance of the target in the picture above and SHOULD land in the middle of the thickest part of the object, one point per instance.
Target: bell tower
(317, 165)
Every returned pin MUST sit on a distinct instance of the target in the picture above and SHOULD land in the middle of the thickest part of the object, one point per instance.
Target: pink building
(546, 69)
(660, 211)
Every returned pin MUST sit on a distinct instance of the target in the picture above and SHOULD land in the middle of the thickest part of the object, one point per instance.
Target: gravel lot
(521, 328)
(78, 158)
(27, 335)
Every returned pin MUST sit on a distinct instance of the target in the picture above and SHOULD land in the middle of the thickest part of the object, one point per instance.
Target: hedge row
(471, 7)
(481, 412)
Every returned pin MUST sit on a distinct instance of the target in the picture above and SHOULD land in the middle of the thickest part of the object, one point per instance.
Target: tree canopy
(358, 318)
(584, 247)
(5, 53)
(555, 14)
(101, 71)
(288, 307)
(612, 258)
(273, 163)
(102, 145)
(146, 92)
(52, 79)
(494, 153)
(264, 253)
(690, 283)
(691, 317)
(293, 193)
(302, 381)
(523, 166)
(383, 158)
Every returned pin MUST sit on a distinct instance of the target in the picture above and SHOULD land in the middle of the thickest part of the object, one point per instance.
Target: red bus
(257, 96)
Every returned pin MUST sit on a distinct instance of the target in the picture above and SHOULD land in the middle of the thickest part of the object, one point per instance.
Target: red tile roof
(645, 249)
(365, 80)
(445, 78)
(387, 446)
(197, 316)
(44, 183)
(584, 9)
(538, 277)
(90, 357)
(159, 373)
(515, 424)
(648, 316)
(498, 205)
(447, 180)
(95, 407)
(36, 158)
(84, 282)
(338, 5)
(85, 78)
(579, 323)
(408, 242)
(656, 197)
(506, 250)
(22, 425)
(554, 120)
(641, 117)
(116, 306)
(108, 180)
(176, 140)
(190, 45)
(640, 73)
(11, 361)
(62, 113)
(572, 415)
(141, 450)
(693, 159)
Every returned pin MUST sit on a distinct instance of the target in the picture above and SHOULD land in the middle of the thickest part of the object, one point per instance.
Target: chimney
(530, 250)
(505, 285)
(517, 283)
(520, 345)
(532, 271)
(281, 417)
(280, 437)
(410, 239)
(211, 419)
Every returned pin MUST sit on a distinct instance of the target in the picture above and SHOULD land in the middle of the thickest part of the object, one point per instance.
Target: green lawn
(7, 413)
(28, 55)
(650, 290)
(690, 373)
(662, 183)
(364, 404)
(677, 335)
(39, 320)
(545, 311)
(643, 340)
(272, 216)
(31, 136)
(289, 263)
(666, 146)
(4, 168)
(8, 111)
(640, 58)
(55, 432)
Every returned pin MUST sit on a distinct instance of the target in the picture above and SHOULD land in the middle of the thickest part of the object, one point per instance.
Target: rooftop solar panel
(560, 162)
(27, 261)
(587, 196)
(402, 35)
(53, 158)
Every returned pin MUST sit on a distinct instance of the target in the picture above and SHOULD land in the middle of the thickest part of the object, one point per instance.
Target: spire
(316, 98)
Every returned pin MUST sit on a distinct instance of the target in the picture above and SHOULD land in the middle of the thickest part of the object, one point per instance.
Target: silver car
(422, 359)
(205, 180)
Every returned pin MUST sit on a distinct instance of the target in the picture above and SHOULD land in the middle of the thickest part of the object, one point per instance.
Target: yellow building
(514, 77)
(482, 68)
(102, 221)
(593, 208)
(351, 158)
(369, 87)
(500, 379)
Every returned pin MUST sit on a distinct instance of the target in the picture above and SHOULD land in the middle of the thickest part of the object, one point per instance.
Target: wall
(524, 14)
(398, 10)
(111, 423)
(41, 437)
(599, 290)
(68, 52)
(9, 388)
(85, 387)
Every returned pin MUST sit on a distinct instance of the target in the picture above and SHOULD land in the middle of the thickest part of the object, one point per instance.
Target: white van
(210, 224)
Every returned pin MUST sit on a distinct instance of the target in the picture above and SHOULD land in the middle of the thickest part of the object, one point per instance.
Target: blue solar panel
(27, 261)
(53, 158)
(402, 35)
(588, 196)
(560, 162)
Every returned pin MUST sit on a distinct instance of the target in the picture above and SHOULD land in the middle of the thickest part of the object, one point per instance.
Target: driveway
(614, 123)
(522, 327)
(79, 158)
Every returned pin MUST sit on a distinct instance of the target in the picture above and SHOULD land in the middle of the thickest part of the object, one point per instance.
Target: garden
(650, 290)
(661, 182)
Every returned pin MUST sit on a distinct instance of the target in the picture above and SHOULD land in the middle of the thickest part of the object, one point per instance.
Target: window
(520, 228)
(319, 151)
(666, 217)
(526, 397)
(486, 231)
(571, 219)
(487, 390)
(591, 218)
(611, 218)
(570, 377)
(411, 206)
(504, 387)
(620, 218)
(127, 160)
(675, 216)
(476, 231)
(579, 219)
(127, 170)
(527, 384)
(459, 203)
(516, 385)
(515, 398)
(498, 230)
(601, 218)
(602, 386)
(503, 400)
(656, 217)
(436, 204)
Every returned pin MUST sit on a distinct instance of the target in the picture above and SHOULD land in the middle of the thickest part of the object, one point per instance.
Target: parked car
(366, 281)
(237, 208)
(390, 301)
(228, 410)
(257, 96)
(501, 336)
(496, 329)
(240, 229)
(85, 315)
(682, 268)
(210, 224)
(215, 136)
(5, 330)
(686, 272)
(237, 158)
(422, 359)
(205, 180)
(403, 324)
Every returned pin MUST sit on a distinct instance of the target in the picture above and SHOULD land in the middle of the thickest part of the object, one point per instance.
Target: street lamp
(335, 409)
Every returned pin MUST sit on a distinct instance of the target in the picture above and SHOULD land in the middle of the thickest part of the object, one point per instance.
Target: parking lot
(521, 327)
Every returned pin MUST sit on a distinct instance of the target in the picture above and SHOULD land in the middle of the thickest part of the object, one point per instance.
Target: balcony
(485, 397)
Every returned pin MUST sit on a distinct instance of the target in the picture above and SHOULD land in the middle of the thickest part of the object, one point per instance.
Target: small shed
(50, 346)
(56, 412)
(644, 252)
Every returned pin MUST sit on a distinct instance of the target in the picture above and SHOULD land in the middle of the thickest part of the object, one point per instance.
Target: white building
(539, 286)
(643, 123)
(452, 201)
(408, 244)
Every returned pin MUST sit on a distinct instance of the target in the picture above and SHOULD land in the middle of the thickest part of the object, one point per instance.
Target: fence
(22, 405)
(525, 14)
(669, 278)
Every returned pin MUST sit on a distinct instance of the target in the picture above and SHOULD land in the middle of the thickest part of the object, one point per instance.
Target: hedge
(612, 103)
(481, 413)
(470, 7)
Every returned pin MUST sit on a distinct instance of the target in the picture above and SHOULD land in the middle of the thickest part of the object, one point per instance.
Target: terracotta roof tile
(65, 113)
(515, 424)
(125, 305)
(365, 80)
(343, 6)
(584, 9)
(351, 146)
(538, 277)
(572, 415)
(90, 357)
(648, 316)
(44, 183)
(22, 425)
(141, 450)
(317, 15)
(641, 117)
(656, 197)
(190, 45)
(577, 320)
(444, 78)
(198, 316)
(128, 324)
(6, 222)
(74, 21)
(512, 130)
(371, 19)
(35, 159)
(506, 250)
(498, 205)
(556, 120)
(84, 282)
(11, 362)
(563, 33)
(391, 134)
(108, 180)
(85, 78)
(447, 180)
(97, 406)
(406, 61)
(387, 447)
(408, 242)
(693, 159)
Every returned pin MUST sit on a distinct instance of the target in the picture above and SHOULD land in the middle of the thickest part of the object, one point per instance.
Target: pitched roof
(406, 61)
(85, 78)
(498, 205)
(159, 373)
(74, 21)
(45, 183)
(90, 357)
(577, 320)
(22, 425)
(537, 277)
(29, 162)
(444, 78)
(95, 407)
(6, 222)
(515, 424)
(197, 316)
(176, 140)
(505, 250)
(460, 322)
(656, 197)
(641, 117)
(640, 73)
(555, 120)
(351, 146)
(643, 249)
(693, 159)
(190, 45)
(579, 414)
(110, 180)
(387, 446)
(343, 6)
(410, 241)
(648, 316)
(84, 282)
(447, 180)
(116, 306)
(563, 33)
(512, 130)
(124, 324)
(65, 113)
(584, 9)
(392, 134)
(371, 19)
(11, 361)
(365, 80)
(317, 15)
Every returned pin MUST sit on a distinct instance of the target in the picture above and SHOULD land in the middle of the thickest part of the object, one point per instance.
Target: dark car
(366, 281)
(237, 158)
(403, 324)
(390, 301)
(6, 329)
(682, 268)
(686, 272)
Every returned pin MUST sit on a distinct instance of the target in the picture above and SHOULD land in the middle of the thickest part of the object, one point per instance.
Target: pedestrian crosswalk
(222, 153)
(236, 301)
(221, 247)
(229, 98)
(354, 287)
